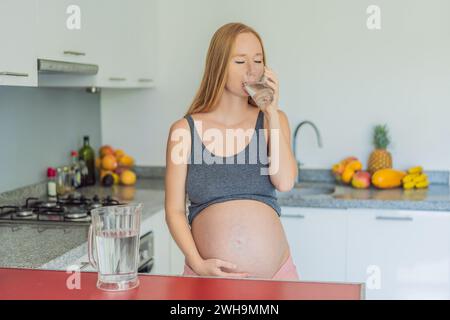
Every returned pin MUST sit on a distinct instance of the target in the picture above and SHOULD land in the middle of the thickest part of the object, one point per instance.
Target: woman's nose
(254, 69)
(251, 73)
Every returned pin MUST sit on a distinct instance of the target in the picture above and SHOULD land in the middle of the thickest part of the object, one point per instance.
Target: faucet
(297, 129)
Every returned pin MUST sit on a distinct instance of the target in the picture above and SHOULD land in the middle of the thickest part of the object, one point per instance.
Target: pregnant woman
(233, 228)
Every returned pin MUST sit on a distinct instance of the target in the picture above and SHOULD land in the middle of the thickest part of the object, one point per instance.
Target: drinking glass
(259, 90)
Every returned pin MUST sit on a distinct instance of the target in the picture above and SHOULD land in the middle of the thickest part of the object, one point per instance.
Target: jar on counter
(51, 183)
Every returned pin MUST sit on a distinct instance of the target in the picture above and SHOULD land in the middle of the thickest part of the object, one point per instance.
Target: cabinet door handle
(13, 74)
(298, 216)
(74, 53)
(145, 80)
(117, 79)
(385, 218)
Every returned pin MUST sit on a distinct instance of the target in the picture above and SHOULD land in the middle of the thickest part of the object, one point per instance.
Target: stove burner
(49, 204)
(23, 213)
(70, 208)
(109, 201)
(76, 214)
(96, 205)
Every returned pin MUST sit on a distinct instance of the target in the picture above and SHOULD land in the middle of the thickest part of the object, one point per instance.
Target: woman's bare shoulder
(180, 124)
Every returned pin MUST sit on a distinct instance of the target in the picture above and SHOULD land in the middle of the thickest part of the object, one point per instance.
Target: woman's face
(246, 59)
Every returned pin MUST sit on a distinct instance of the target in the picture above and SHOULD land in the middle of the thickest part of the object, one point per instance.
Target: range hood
(63, 67)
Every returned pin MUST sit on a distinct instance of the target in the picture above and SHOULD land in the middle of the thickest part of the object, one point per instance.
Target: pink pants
(288, 271)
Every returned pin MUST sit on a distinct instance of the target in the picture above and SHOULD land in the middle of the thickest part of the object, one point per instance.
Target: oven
(146, 253)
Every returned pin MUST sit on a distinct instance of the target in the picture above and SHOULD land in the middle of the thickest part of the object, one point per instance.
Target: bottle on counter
(87, 154)
(75, 170)
(84, 172)
(68, 179)
(60, 182)
(51, 184)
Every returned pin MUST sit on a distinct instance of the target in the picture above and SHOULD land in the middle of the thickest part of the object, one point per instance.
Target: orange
(126, 161)
(109, 162)
(119, 153)
(128, 177)
(106, 149)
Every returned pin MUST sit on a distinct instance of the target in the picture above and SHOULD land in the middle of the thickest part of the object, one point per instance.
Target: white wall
(332, 70)
(38, 129)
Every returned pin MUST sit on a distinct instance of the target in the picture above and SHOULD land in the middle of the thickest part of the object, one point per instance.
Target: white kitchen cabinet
(143, 43)
(161, 243)
(127, 34)
(61, 38)
(118, 36)
(18, 64)
(317, 239)
(400, 254)
(60, 35)
(168, 258)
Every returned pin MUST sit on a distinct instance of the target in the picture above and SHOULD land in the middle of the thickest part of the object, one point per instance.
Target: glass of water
(114, 234)
(260, 91)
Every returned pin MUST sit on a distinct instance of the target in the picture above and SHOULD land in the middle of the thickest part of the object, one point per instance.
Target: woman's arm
(282, 168)
(175, 192)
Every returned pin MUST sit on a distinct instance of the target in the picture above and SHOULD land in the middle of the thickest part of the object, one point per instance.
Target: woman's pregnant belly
(247, 233)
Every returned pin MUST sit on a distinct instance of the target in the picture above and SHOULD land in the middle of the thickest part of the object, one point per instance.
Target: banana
(415, 179)
(422, 184)
(409, 185)
(420, 178)
(409, 178)
(415, 170)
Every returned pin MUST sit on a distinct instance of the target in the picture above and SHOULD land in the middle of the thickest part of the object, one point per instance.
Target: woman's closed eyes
(242, 62)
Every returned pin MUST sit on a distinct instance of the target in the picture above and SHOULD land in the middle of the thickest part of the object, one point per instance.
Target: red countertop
(41, 284)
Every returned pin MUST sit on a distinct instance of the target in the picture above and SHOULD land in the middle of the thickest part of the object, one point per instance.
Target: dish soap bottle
(87, 155)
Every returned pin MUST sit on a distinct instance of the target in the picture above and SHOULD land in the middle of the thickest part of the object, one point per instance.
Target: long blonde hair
(216, 67)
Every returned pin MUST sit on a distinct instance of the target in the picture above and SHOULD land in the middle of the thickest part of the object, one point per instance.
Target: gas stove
(71, 208)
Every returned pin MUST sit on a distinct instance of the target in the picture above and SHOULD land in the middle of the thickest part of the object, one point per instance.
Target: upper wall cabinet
(18, 63)
(65, 28)
(144, 44)
(66, 32)
(125, 44)
(116, 35)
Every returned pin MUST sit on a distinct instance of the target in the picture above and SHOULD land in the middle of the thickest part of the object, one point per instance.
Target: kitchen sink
(302, 189)
(299, 188)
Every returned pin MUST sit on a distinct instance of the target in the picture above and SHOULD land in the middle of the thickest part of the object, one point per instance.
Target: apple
(361, 180)
(338, 168)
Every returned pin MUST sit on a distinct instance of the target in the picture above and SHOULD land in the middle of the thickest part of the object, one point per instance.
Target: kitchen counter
(30, 246)
(38, 284)
(435, 198)
(53, 245)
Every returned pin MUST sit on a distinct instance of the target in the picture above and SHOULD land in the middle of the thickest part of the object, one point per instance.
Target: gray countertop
(32, 246)
(435, 198)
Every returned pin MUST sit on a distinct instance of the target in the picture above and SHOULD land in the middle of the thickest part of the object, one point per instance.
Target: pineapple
(380, 158)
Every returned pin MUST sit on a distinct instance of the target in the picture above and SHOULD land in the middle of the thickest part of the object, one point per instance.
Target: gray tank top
(213, 179)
